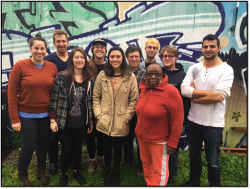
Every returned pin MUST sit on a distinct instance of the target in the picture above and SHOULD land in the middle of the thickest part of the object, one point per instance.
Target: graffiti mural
(180, 24)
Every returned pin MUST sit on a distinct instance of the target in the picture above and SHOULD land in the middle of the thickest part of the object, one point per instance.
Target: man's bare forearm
(200, 93)
(209, 99)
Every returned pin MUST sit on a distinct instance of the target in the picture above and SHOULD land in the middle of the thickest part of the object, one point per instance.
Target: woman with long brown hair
(115, 97)
(71, 111)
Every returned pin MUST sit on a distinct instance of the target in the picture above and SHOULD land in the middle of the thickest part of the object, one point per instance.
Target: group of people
(65, 96)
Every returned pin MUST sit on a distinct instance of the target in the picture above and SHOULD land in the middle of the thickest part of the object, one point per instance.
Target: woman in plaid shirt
(71, 111)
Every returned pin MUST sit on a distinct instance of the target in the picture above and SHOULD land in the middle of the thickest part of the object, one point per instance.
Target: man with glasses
(208, 84)
(175, 74)
(133, 54)
(152, 46)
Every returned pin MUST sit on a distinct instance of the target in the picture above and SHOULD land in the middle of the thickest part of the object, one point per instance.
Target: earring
(160, 81)
(146, 83)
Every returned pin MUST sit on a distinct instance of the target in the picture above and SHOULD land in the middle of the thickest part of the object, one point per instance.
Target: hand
(54, 127)
(170, 150)
(16, 126)
(192, 85)
(90, 130)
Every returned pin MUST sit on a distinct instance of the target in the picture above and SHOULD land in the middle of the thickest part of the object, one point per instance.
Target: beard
(209, 58)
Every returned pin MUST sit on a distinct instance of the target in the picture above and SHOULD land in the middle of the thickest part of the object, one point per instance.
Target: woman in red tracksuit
(160, 120)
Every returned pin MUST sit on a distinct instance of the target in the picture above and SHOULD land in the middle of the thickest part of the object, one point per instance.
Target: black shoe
(107, 178)
(188, 183)
(64, 180)
(116, 177)
(53, 168)
(79, 177)
(171, 180)
(72, 165)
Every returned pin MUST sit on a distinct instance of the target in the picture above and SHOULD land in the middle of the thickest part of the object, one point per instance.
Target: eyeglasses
(150, 74)
(99, 47)
(150, 47)
(169, 56)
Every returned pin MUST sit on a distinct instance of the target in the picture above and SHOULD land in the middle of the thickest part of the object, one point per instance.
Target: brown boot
(41, 175)
(23, 177)
(99, 165)
(92, 167)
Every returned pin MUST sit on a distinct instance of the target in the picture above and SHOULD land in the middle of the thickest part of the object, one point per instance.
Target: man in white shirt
(208, 84)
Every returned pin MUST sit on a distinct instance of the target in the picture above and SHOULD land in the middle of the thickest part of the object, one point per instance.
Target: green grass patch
(233, 173)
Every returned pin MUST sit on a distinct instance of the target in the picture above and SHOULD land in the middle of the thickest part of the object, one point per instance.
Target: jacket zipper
(145, 103)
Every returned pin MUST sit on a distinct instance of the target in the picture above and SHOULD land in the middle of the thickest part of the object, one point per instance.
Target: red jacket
(160, 113)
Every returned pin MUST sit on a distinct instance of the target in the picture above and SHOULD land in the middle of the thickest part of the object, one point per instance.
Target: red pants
(155, 163)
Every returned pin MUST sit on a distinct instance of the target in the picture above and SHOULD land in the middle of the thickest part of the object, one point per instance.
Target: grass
(233, 173)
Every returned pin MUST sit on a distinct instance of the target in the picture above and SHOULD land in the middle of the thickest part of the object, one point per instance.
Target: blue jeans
(212, 137)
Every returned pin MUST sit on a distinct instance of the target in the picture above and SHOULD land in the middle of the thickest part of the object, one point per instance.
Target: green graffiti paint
(74, 18)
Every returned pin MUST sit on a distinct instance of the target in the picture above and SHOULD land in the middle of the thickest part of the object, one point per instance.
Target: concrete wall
(180, 24)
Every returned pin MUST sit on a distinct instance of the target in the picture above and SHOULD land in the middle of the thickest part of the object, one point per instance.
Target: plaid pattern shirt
(60, 96)
(140, 74)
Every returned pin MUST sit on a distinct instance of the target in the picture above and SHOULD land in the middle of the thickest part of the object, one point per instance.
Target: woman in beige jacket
(114, 100)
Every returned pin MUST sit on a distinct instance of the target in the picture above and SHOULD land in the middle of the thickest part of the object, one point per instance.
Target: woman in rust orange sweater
(32, 80)
(159, 126)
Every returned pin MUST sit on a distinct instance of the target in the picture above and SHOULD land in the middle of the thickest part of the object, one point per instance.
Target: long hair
(70, 69)
(92, 63)
(124, 66)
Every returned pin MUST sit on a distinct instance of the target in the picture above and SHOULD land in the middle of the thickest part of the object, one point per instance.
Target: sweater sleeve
(186, 89)
(176, 116)
(13, 89)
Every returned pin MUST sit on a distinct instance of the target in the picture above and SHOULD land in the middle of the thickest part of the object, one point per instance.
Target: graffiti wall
(180, 24)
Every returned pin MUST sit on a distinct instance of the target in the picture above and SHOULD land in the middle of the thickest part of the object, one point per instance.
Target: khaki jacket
(114, 116)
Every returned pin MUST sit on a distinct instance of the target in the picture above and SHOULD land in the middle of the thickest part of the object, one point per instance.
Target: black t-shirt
(100, 68)
(76, 116)
(147, 64)
(61, 65)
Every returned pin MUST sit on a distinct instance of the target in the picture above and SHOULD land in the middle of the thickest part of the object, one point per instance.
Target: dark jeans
(53, 147)
(128, 148)
(71, 143)
(212, 137)
(173, 162)
(138, 154)
(34, 132)
(128, 144)
(110, 142)
(91, 144)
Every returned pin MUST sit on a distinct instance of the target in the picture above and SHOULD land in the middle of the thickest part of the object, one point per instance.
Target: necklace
(116, 79)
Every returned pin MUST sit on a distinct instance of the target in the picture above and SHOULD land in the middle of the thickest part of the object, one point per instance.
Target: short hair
(37, 37)
(169, 49)
(124, 66)
(211, 37)
(59, 32)
(153, 40)
(133, 48)
(70, 69)
(154, 64)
